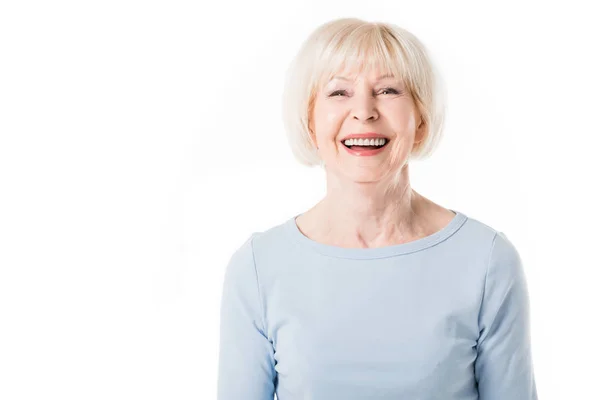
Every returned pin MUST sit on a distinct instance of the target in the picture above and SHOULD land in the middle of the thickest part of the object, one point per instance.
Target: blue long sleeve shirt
(442, 317)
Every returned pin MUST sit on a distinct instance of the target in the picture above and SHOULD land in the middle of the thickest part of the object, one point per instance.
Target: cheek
(402, 119)
(328, 117)
(333, 116)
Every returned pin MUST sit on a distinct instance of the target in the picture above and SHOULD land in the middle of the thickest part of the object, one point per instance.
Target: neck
(369, 214)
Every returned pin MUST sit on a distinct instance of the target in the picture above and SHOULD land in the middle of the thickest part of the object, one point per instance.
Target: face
(361, 103)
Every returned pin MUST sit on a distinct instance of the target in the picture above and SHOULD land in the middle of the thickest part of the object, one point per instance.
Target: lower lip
(365, 152)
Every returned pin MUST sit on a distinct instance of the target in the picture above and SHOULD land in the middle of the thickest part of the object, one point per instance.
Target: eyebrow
(378, 78)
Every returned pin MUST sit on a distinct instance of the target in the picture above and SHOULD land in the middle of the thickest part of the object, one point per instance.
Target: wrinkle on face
(334, 117)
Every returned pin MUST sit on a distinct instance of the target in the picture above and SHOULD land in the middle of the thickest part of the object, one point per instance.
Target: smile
(362, 151)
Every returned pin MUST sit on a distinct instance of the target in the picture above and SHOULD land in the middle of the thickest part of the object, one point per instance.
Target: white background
(141, 142)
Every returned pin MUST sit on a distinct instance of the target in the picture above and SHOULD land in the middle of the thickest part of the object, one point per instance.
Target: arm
(245, 353)
(503, 367)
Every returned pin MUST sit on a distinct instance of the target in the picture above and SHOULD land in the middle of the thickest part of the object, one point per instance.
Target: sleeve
(246, 363)
(504, 367)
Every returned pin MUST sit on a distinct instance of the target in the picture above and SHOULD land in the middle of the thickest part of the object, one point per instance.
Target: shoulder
(502, 262)
(257, 261)
(273, 239)
(501, 250)
(471, 239)
(489, 244)
(241, 262)
(477, 227)
(503, 276)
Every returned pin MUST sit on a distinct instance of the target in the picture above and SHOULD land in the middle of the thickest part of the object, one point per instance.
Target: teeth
(365, 142)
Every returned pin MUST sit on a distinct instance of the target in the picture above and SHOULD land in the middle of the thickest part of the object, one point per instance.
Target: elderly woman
(376, 292)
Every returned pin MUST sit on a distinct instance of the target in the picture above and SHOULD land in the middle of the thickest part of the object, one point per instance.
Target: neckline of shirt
(377, 252)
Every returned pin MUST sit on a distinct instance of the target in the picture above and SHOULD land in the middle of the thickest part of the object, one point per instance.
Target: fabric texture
(442, 317)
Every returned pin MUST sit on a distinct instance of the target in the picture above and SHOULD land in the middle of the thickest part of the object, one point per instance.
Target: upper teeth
(364, 142)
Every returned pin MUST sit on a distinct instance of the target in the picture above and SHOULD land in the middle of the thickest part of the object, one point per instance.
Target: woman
(376, 292)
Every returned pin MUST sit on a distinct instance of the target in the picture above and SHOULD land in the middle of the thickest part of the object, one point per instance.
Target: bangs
(362, 50)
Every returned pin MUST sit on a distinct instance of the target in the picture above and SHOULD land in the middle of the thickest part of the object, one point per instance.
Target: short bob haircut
(352, 42)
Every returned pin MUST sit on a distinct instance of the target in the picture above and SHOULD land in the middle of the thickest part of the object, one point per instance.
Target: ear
(311, 134)
(313, 139)
(420, 132)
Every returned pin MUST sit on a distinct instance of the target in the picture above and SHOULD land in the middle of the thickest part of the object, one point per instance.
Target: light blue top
(442, 317)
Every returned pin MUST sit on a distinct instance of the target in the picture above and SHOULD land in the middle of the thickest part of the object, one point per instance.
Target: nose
(364, 108)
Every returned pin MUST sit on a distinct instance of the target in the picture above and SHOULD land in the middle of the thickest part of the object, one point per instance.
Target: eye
(389, 89)
(334, 94)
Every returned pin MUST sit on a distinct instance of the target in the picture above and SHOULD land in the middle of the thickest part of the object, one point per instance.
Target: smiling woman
(376, 292)
(348, 45)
